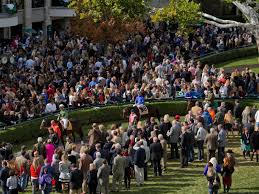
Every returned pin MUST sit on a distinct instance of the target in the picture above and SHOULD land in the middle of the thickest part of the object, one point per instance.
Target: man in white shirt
(200, 137)
(50, 107)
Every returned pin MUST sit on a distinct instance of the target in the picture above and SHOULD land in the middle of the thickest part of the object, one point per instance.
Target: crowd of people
(126, 153)
(76, 72)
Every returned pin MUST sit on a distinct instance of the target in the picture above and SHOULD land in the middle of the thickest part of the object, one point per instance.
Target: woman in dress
(245, 143)
(64, 169)
(50, 150)
(227, 171)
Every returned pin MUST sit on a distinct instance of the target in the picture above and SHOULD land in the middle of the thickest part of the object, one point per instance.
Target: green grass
(240, 62)
(191, 179)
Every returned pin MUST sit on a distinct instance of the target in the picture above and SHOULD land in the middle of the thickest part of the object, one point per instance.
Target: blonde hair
(36, 163)
(64, 158)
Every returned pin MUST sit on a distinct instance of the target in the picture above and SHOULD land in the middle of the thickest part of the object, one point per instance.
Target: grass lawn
(191, 179)
(240, 62)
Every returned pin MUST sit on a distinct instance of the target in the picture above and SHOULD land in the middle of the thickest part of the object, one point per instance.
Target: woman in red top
(35, 172)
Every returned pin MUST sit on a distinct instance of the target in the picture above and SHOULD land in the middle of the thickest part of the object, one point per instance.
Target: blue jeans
(23, 181)
(190, 153)
(213, 192)
(35, 186)
(200, 150)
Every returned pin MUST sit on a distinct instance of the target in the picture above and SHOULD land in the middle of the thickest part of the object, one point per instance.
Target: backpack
(45, 179)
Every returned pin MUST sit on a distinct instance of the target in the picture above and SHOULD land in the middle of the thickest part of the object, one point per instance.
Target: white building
(33, 15)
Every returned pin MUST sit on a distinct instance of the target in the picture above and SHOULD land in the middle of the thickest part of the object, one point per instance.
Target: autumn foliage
(110, 31)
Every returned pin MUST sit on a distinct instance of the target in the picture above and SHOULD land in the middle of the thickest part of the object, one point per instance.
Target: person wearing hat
(63, 116)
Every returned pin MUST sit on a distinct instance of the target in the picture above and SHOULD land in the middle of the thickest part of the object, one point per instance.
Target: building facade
(29, 16)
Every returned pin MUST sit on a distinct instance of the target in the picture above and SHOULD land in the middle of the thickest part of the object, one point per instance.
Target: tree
(184, 12)
(249, 9)
(105, 32)
(109, 20)
(104, 10)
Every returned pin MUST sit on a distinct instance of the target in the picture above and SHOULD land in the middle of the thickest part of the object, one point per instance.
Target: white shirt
(257, 116)
(50, 107)
(201, 134)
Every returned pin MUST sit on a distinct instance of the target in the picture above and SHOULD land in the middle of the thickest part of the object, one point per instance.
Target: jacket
(156, 151)
(140, 157)
(4, 174)
(222, 138)
(174, 133)
(212, 141)
(103, 174)
(119, 164)
(76, 179)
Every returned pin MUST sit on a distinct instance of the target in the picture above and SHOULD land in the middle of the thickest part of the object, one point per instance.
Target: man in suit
(139, 163)
(4, 175)
(212, 143)
(84, 163)
(118, 167)
(184, 148)
(156, 151)
(103, 177)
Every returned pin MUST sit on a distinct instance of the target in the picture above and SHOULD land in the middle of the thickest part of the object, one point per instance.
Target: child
(228, 169)
(213, 179)
(46, 182)
(12, 183)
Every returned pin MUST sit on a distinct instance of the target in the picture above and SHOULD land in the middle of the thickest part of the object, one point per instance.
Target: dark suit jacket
(140, 157)
(156, 151)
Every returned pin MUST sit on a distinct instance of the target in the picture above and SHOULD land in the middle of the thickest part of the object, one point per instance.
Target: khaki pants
(75, 191)
(139, 173)
(117, 178)
(164, 161)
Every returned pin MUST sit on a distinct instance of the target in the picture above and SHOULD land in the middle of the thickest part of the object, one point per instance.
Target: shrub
(30, 130)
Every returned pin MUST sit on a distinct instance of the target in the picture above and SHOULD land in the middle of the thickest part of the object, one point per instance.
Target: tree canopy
(103, 10)
(184, 12)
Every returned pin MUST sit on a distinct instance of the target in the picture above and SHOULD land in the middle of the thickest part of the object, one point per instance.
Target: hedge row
(30, 129)
(229, 55)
